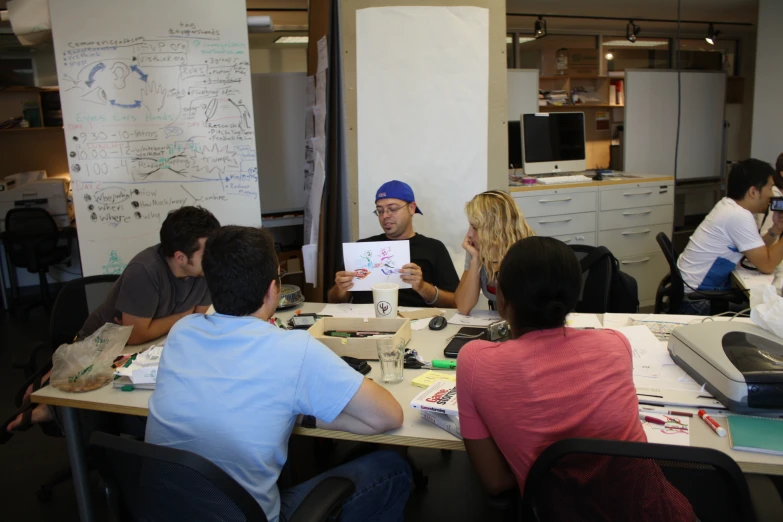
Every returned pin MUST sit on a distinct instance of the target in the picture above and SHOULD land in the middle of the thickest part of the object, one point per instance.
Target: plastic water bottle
(777, 281)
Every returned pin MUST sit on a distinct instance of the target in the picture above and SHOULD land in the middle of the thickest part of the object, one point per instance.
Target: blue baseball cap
(397, 190)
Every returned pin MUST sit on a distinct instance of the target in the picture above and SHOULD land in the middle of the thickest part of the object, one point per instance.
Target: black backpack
(623, 290)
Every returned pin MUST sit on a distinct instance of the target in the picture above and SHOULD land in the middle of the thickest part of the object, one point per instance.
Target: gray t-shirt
(148, 288)
(489, 292)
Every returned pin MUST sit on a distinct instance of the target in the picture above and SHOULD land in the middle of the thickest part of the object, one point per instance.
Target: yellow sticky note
(426, 380)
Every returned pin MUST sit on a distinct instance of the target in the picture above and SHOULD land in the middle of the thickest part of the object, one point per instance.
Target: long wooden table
(415, 431)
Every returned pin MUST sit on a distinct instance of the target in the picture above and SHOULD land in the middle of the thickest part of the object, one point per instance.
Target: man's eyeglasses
(388, 210)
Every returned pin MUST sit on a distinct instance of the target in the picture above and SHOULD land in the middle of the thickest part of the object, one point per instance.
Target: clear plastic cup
(391, 356)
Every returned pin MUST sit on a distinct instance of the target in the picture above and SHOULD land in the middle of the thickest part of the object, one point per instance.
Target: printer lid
(759, 359)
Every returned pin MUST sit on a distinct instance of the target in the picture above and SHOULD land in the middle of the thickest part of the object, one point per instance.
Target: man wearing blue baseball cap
(430, 273)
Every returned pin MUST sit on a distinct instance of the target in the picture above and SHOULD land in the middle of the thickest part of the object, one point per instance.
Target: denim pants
(383, 483)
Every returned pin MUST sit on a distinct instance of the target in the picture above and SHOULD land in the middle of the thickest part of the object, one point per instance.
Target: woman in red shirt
(549, 382)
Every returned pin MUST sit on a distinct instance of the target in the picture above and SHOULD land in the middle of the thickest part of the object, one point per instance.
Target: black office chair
(578, 479)
(74, 303)
(671, 292)
(31, 241)
(596, 282)
(149, 482)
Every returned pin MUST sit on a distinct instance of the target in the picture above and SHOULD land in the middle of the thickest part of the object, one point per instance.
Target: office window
(698, 55)
(541, 54)
(645, 53)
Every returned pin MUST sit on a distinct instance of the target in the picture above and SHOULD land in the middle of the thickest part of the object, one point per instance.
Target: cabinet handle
(577, 238)
(559, 200)
(643, 212)
(637, 233)
(636, 261)
(645, 193)
(549, 221)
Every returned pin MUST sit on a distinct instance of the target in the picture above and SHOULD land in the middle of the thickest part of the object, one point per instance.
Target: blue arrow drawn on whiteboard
(135, 68)
(93, 72)
(135, 105)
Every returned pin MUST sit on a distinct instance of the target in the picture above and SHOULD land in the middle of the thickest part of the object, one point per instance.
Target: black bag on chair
(623, 290)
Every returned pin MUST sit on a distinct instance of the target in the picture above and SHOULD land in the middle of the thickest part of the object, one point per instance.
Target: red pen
(649, 418)
(712, 423)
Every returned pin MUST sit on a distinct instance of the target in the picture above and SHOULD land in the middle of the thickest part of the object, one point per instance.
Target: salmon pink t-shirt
(546, 386)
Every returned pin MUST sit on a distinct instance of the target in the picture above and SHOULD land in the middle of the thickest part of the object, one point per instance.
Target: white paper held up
(376, 262)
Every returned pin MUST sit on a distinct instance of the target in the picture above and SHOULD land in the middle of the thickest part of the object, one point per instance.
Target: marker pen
(444, 364)
(712, 423)
(649, 418)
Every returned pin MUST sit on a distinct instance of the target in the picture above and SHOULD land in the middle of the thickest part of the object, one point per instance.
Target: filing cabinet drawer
(648, 270)
(582, 238)
(635, 197)
(633, 241)
(557, 204)
(562, 225)
(635, 217)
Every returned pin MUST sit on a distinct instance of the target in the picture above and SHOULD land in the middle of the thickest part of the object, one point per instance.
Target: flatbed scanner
(740, 364)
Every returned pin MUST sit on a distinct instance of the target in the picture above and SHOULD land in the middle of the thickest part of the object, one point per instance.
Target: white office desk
(415, 431)
(747, 279)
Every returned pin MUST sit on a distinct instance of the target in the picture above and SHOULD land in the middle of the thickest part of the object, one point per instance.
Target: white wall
(766, 140)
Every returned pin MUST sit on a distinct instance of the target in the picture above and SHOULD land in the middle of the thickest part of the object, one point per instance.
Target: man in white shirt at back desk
(231, 386)
(730, 232)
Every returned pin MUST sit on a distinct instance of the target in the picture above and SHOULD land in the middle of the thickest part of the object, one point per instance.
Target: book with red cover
(441, 397)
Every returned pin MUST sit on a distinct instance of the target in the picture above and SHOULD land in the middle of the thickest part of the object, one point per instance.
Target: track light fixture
(712, 35)
(632, 31)
(540, 27)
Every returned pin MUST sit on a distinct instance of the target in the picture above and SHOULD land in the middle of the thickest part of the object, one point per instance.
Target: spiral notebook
(758, 434)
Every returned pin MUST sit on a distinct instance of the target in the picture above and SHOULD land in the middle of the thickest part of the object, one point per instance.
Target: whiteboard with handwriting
(157, 110)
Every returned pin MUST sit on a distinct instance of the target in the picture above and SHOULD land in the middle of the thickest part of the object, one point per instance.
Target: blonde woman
(496, 223)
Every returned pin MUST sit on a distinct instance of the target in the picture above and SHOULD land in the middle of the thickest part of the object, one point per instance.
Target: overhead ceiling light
(712, 35)
(539, 28)
(292, 40)
(638, 43)
(609, 56)
(632, 31)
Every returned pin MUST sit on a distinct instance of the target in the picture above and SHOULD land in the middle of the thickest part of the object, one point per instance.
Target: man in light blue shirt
(231, 387)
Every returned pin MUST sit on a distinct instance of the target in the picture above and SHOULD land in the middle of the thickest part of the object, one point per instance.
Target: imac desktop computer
(553, 143)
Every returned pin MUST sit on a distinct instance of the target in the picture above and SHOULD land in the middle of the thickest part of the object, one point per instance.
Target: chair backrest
(75, 301)
(590, 479)
(673, 288)
(596, 282)
(30, 234)
(150, 482)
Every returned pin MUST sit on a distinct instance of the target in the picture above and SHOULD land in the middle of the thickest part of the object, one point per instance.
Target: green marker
(444, 364)
(127, 387)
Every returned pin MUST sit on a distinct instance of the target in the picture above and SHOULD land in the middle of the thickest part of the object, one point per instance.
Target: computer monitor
(515, 144)
(553, 142)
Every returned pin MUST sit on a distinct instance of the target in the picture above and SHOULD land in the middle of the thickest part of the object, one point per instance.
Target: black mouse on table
(438, 323)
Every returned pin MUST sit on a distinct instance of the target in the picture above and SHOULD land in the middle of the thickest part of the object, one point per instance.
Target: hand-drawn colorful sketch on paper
(376, 262)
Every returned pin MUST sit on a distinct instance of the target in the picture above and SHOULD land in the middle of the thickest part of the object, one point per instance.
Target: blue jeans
(383, 483)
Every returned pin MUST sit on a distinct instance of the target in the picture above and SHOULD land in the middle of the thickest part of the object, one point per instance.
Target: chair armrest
(717, 295)
(767, 504)
(325, 500)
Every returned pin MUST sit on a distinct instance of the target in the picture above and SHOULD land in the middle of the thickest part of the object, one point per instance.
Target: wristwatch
(308, 421)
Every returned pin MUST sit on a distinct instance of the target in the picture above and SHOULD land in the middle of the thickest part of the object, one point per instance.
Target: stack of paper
(142, 372)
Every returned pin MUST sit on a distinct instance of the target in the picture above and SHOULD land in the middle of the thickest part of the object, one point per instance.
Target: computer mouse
(438, 323)
(599, 176)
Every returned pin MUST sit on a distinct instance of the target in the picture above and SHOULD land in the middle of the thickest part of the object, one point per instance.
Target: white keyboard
(558, 180)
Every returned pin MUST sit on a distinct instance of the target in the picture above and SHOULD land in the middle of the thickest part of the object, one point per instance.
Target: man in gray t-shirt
(161, 285)
(149, 289)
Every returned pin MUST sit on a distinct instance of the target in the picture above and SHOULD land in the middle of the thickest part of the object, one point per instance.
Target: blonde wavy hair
(499, 223)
